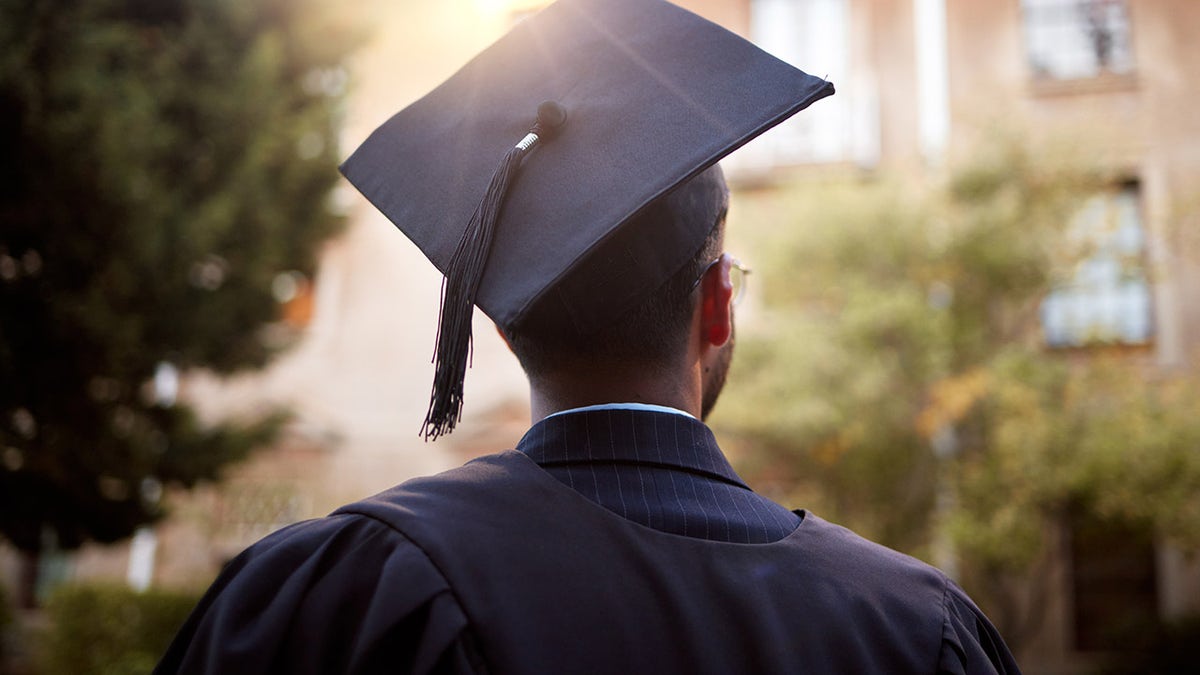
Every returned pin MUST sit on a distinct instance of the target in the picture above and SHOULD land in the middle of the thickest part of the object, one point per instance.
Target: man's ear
(716, 296)
(500, 332)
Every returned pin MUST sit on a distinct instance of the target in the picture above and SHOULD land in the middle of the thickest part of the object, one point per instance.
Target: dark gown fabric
(502, 566)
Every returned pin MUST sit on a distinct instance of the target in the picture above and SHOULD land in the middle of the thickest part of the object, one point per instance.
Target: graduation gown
(583, 566)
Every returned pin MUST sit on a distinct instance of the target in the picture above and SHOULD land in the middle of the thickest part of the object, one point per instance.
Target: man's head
(541, 219)
(654, 336)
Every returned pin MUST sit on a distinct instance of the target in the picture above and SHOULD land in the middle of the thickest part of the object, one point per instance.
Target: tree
(897, 380)
(165, 163)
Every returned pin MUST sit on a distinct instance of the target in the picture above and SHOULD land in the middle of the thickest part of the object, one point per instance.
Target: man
(616, 538)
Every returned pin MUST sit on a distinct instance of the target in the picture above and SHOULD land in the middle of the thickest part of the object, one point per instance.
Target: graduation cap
(517, 177)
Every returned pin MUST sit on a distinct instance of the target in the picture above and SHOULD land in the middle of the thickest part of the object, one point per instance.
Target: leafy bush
(109, 629)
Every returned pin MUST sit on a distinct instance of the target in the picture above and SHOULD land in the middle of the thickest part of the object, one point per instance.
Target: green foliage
(110, 630)
(897, 318)
(164, 163)
(1103, 438)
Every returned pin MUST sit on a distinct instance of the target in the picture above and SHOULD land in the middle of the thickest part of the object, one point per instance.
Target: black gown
(504, 566)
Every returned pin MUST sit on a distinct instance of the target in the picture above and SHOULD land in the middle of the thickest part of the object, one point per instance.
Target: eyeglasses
(737, 276)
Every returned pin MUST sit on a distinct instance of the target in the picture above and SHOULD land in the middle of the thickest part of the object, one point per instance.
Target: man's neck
(551, 395)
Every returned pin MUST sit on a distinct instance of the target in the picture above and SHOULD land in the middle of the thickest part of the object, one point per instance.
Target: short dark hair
(655, 330)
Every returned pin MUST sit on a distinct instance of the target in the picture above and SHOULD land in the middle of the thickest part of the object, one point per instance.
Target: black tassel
(459, 288)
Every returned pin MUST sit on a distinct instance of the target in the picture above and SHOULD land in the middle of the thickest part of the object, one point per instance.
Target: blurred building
(919, 81)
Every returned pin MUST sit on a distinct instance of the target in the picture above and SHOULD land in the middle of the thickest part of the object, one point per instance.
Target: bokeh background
(971, 333)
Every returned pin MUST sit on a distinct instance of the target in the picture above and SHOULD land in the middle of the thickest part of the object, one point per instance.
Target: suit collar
(606, 435)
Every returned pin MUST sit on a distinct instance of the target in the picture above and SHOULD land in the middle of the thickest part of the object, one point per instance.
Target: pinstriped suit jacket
(660, 469)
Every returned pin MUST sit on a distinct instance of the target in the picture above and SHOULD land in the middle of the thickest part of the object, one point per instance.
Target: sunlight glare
(492, 8)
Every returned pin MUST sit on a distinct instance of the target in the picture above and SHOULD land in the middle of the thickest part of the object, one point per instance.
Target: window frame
(1044, 34)
(1104, 275)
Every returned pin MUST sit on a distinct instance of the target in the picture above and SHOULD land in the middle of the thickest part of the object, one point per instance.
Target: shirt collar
(645, 407)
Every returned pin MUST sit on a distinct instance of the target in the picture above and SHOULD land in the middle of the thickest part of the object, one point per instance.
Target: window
(1075, 39)
(295, 295)
(813, 35)
(1105, 296)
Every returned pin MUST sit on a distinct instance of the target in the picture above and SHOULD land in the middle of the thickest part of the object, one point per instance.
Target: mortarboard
(518, 175)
